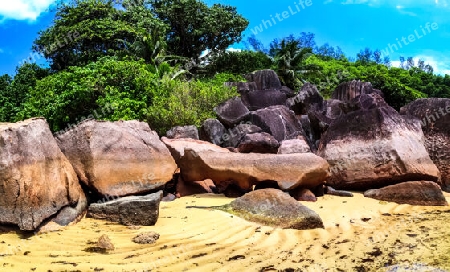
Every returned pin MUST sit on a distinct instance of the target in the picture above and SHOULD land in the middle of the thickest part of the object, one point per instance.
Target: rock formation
(118, 158)
(37, 181)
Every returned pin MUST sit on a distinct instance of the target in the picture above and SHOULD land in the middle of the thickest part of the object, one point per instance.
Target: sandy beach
(360, 234)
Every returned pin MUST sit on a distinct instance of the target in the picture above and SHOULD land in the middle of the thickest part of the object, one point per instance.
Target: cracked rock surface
(36, 179)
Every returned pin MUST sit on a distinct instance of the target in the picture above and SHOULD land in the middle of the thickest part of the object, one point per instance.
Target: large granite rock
(118, 158)
(278, 121)
(419, 193)
(308, 97)
(258, 143)
(434, 116)
(129, 211)
(213, 131)
(182, 132)
(245, 170)
(238, 134)
(259, 99)
(275, 208)
(177, 147)
(373, 146)
(232, 111)
(265, 80)
(36, 179)
(348, 90)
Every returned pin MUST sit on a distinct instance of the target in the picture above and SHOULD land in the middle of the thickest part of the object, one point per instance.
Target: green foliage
(112, 89)
(290, 61)
(398, 85)
(240, 62)
(85, 30)
(64, 98)
(14, 92)
(181, 103)
(195, 27)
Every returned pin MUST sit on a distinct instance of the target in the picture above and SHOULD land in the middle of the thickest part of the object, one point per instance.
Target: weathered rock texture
(118, 158)
(129, 211)
(258, 143)
(420, 193)
(195, 187)
(183, 132)
(232, 111)
(265, 80)
(259, 99)
(177, 147)
(373, 146)
(348, 90)
(36, 179)
(245, 170)
(278, 121)
(434, 115)
(275, 208)
(213, 131)
(308, 97)
(294, 146)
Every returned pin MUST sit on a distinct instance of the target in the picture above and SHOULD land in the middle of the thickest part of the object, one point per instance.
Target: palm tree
(290, 61)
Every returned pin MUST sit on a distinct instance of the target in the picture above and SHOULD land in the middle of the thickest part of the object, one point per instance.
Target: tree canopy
(116, 60)
(85, 30)
(194, 27)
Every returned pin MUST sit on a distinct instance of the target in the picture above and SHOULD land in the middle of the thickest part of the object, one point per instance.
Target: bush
(240, 63)
(180, 103)
(113, 90)
(69, 96)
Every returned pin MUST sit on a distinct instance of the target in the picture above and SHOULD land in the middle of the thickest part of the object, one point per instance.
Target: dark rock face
(245, 170)
(258, 143)
(287, 91)
(212, 131)
(265, 80)
(304, 195)
(237, 134)
(183, 132)
(331, 191)
(420, 193)
(321, 118)
(275, 208)
(434, 115)
(307, 98)
(118, 158)
(278, 121)
(374, 146)
(231, 112)
(348, 90)
(246, 87)
(259, 99)
(195, 187)
(36, 179)
(129, 211)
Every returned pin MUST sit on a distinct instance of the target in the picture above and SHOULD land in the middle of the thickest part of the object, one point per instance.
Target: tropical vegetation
(166, 62)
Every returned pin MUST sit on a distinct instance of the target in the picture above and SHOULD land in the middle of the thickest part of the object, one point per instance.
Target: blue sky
(417, 28)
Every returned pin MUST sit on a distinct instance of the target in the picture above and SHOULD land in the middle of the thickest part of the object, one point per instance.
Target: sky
(408, 28)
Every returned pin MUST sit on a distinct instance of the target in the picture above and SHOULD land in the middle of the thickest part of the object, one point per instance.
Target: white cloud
(23, 9)
(439, 66)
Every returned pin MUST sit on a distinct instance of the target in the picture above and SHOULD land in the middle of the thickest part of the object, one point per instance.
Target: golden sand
(360, 234)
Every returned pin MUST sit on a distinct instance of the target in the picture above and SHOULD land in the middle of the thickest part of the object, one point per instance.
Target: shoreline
(360, 233)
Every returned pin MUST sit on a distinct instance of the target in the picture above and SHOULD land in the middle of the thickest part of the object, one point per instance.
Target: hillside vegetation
(145, 60)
